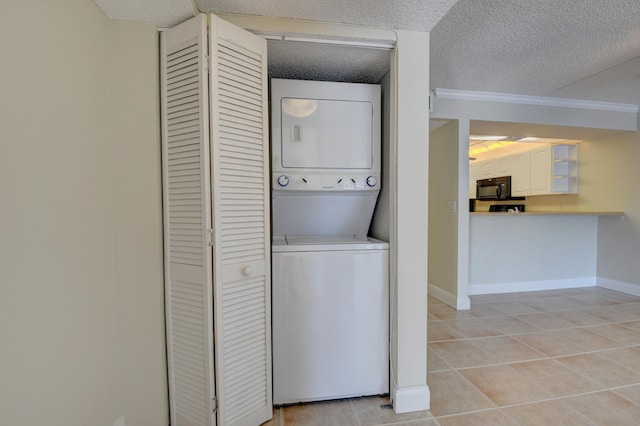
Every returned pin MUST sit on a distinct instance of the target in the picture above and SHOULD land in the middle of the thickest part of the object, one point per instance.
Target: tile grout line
(554, 357)
(574, 327)
(500, 407)
(617, 344)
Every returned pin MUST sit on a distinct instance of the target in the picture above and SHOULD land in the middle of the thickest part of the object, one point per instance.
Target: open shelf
(565, 169)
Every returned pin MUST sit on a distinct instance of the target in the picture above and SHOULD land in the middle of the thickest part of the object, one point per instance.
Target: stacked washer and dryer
(330, 281)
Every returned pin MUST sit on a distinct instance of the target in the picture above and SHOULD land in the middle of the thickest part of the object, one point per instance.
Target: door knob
(246, 271)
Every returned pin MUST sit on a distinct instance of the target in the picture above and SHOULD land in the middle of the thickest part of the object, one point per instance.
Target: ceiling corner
(162, 13)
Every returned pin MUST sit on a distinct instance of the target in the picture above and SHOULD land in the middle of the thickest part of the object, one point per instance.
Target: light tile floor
(557, 357)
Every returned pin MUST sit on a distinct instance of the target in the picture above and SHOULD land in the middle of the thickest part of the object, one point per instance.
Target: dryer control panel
(325, 182)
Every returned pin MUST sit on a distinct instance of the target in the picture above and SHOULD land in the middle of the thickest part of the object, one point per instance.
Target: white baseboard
(621, 286)
(516, 287)
(459, 303)
(411, 398)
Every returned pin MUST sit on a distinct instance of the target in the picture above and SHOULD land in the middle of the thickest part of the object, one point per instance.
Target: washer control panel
(325, 182)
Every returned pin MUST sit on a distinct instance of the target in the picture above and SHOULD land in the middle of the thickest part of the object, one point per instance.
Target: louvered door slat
(233, 146)
(182, 171)
(241, 143)
(187, 215)
(234, 124)
(235, 93)
(240, 188)
(181, 111)
(241, 214)
(244, 61)
(230, 133)
(243, 118)
(229, 151)
(239, 104)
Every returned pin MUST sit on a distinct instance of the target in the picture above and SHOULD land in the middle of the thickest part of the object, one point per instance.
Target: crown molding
(465, 95)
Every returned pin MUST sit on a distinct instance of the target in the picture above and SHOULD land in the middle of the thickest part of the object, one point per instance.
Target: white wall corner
(462, 303)
(621, 286)
(120, 422)
(409, 399)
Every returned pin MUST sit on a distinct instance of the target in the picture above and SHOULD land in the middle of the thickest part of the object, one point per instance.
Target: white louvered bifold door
(239, 160)
(187, 217)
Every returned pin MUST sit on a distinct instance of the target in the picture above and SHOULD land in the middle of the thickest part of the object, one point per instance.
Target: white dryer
(329, 279)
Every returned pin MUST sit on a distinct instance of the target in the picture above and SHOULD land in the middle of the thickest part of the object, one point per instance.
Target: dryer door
(326, 134)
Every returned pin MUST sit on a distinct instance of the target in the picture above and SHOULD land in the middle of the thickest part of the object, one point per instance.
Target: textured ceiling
(296, 59)
(313, 61)
(418, 15)
(162, 13)
(580, 49)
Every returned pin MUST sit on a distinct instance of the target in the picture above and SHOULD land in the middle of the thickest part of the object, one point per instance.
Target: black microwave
(498, 188)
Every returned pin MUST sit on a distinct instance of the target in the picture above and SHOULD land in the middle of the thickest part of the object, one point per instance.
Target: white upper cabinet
(487, 169)
(520, 174)
(503, 166)
(542, 170)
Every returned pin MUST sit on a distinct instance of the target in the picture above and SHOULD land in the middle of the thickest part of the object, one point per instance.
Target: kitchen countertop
(555, 213)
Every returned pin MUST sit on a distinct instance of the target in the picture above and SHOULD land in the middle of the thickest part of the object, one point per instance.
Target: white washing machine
(330, 281)
(330, 318)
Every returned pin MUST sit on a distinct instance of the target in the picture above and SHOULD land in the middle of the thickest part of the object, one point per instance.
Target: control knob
(372, 181)
(283, 180)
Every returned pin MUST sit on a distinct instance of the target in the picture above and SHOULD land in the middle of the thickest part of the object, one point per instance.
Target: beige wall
(602, 162)
(443, 224)
(608, 177)
(80, 253)
(617, 188)
(137, 217)
(608, 181)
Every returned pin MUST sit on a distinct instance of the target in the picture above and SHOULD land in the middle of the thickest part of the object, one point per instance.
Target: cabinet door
(488, 169)
(520, 174)
(187, 218)
(503, 166)
(242, 249)
(540, 171)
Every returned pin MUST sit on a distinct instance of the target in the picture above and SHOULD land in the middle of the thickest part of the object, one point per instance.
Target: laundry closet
(252, 227)
(329, 280)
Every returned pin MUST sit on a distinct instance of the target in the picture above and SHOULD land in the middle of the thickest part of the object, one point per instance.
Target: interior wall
(516, 110)
(409, 315)
(443, 216)
(137, 218)
(534, 252)
(599, 167)
(80, 259)
(59, 303)
(617, 187)
(607, 175)
(380, 223)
